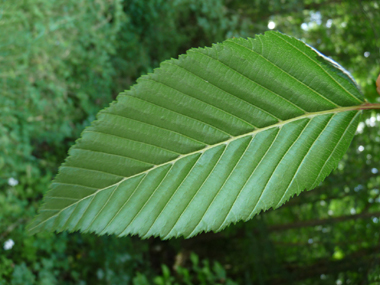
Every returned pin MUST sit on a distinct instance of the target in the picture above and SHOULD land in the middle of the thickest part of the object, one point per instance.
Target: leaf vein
(61, 198)
(180, 115)
(227, 92)
(229, 175)
(72, 184)
(175, 191)
(147, 201)
(349, 93)
(199, 188)
(128, 139)
(222, 110)
(209, 205)
(334, 150)
(278, 125)
(302, 161)
(151, 125)
(258, 84)
(84, 212)
(124, 204)
(288, 74)
(253, 171)
(92, 170)
(277, 165)
(101, 210)
(112, 154)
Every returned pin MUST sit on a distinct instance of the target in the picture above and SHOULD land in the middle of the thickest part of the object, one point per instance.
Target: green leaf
(207, 140)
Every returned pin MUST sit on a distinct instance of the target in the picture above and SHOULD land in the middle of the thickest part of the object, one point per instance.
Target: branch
(311, 223)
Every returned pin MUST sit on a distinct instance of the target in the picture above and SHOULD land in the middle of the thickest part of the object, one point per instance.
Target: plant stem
(369, 106)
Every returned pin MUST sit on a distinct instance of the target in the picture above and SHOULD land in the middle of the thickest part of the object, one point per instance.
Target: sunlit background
(63, 61)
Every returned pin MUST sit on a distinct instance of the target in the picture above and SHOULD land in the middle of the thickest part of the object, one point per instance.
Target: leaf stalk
(369, 106)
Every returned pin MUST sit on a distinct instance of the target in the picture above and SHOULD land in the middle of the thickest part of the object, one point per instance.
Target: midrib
(226, 142)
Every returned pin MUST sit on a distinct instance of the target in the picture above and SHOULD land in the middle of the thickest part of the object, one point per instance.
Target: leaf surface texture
(207, 140)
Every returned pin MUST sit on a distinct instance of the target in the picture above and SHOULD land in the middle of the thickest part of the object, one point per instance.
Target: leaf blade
(178, 161)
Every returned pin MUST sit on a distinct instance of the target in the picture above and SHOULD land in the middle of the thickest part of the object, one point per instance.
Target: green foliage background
(62, 61)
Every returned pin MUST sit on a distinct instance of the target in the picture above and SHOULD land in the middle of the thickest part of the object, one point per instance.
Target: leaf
(207, 140)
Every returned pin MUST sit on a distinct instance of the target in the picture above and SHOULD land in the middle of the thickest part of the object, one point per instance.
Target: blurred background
(63, 61)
